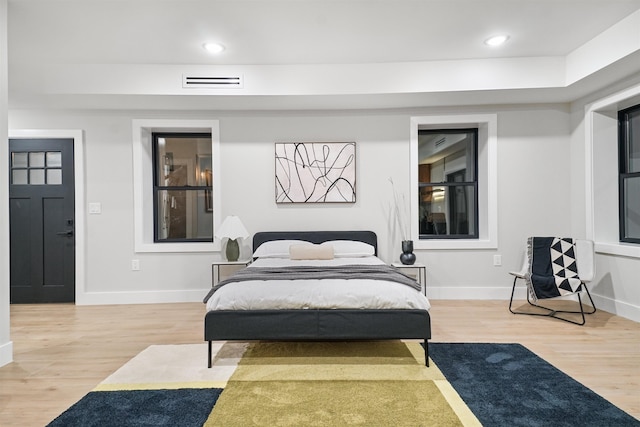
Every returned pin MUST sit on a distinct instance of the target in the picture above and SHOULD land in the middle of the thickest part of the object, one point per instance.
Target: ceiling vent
(212, 82)
(441, 141)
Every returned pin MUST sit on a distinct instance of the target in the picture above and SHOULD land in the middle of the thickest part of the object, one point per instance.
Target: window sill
(454, 244)
(178, 247)
(620, 249)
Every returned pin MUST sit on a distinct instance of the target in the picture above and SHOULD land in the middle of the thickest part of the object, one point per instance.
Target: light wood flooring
(61, 352)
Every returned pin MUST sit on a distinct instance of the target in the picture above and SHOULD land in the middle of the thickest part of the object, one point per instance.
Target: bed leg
(426, 352)
(209, 360)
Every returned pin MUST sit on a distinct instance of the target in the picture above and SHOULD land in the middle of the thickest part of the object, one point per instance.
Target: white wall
(532, 142)
(594, 135)
(541, 191)
(6, 347)
(533, 146)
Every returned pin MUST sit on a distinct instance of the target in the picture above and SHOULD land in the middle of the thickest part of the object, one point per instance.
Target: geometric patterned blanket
(553, 270)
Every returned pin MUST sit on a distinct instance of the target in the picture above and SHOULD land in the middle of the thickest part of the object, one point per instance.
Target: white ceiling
(333, 34)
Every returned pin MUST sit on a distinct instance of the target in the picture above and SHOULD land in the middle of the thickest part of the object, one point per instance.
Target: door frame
(79, 176)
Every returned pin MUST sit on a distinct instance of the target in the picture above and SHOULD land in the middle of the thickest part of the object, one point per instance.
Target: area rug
(164, 385)
(508, 385)
(340, 384)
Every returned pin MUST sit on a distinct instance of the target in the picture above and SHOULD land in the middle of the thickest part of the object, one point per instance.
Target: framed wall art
(315, 172)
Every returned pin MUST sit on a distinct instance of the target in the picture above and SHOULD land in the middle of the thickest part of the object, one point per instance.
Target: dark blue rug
(508, 385)
(128, 408)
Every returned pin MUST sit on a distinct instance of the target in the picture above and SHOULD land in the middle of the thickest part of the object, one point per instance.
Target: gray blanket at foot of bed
(370, 272)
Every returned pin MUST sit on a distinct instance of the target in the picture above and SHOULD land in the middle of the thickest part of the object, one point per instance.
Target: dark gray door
(41, 203)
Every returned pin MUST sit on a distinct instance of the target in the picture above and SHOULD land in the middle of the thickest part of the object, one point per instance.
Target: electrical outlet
(497, 260)
(135, 264)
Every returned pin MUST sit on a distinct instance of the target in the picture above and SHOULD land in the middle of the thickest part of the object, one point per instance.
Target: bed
(233, 316)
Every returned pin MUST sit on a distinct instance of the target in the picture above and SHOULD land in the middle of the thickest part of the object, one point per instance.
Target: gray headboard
(317, 237)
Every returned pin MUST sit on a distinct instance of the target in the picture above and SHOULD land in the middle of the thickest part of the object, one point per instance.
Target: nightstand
(232, 266)
(420, 275)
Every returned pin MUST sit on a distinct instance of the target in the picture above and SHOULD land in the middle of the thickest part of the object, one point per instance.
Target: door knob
(68, 233)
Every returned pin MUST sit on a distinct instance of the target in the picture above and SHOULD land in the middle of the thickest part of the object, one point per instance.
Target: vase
(407, 257)
(233, 250)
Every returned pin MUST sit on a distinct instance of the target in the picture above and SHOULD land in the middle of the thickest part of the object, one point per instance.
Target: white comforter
(316, 293)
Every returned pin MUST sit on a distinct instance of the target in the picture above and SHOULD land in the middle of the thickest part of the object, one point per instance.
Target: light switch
(95, 208)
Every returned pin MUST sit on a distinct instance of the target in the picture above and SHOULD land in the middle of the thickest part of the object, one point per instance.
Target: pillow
(275, 249)
(351, 248)
(310, 251)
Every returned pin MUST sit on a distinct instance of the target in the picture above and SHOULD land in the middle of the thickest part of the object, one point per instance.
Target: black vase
(407, 257)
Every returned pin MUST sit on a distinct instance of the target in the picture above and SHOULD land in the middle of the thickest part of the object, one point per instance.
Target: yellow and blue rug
(341, 384)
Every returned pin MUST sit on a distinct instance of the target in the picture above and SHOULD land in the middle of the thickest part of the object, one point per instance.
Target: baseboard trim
(609, 305)
(619, 308)
(6, 353)
(484, 293)
(147, 297)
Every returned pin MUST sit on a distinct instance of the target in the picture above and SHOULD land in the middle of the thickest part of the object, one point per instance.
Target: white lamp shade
(232, 228)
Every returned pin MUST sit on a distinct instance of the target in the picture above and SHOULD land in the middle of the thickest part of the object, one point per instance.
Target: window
(466, 177)
(629, 174)
(183, 209)
(602, 183)
(145, 186)
(448, 183)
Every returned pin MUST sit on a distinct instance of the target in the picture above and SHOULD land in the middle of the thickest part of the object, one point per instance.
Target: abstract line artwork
(315, 172)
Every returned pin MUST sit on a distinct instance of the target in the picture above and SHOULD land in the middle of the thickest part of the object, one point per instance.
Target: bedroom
(538, 129)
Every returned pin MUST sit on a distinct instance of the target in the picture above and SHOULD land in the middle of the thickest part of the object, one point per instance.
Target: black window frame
(625, 135)
(157, 188)
(473, 184)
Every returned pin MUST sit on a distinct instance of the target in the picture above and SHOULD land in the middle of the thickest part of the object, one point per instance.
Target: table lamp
(232, 229)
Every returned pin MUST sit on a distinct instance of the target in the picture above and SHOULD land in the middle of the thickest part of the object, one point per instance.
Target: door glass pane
(36, 160)
(54, 176)
(54, 159)
(20, 177)
(19, 160)
(36, 176)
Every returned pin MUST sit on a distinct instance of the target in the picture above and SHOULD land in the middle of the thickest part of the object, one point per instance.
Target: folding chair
(556, 268)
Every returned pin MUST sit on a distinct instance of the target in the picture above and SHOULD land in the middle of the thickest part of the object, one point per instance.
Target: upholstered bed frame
(317, 324)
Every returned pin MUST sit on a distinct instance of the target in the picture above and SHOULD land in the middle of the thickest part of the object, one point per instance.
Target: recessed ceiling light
(213, 47)
(496, 40)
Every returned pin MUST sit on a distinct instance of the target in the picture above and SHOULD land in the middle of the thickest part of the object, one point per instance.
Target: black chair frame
(551, 312)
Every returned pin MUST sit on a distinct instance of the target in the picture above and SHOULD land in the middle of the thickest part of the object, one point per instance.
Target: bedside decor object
(407, 257)
(232, 229)
(315, 172)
